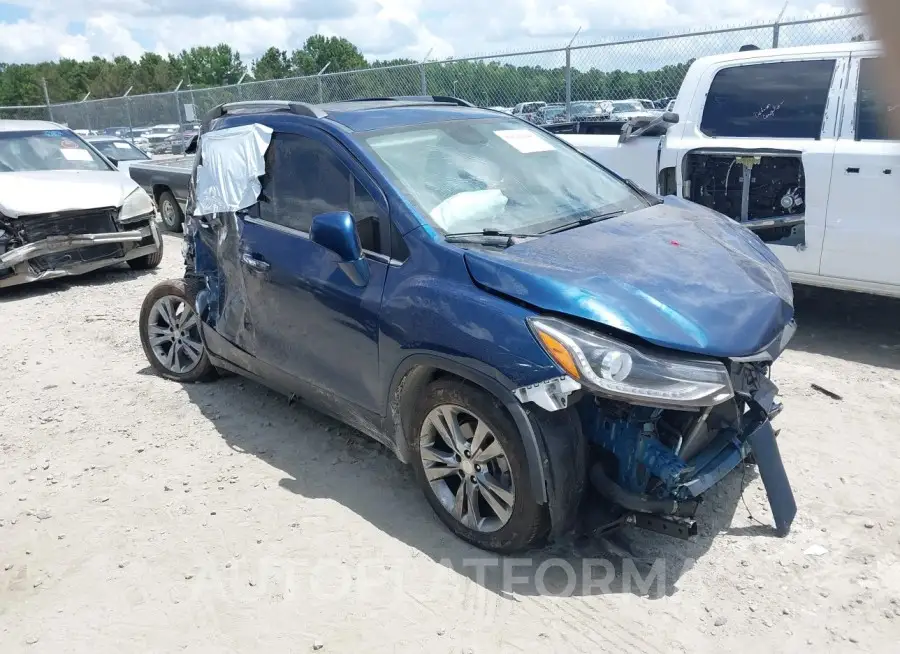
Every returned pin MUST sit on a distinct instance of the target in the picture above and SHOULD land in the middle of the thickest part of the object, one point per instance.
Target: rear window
(871, 109)
(784, 99)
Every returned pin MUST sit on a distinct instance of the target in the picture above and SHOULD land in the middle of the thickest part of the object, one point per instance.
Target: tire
(174, 298)
(148, 261)
(525, 522)
(170, 212)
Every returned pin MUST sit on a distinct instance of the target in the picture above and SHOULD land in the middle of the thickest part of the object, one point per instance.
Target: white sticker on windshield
(75, 154)
(121, 146)
(524, 140)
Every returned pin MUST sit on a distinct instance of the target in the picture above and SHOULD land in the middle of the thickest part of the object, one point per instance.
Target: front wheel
(471, 464)
(170, 333)
(148, 261)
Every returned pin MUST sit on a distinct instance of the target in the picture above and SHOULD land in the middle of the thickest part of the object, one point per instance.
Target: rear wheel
(170, 333)
(170, 212)
(471, 464)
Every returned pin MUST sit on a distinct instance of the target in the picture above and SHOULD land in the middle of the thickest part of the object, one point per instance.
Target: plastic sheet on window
(233, 159)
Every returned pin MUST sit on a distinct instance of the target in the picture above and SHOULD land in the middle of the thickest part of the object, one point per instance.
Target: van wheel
(170, 212)
(170, 333)
(471, 464)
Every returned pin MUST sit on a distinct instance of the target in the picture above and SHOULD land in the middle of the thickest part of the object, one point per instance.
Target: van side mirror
(670, 117)
(336, 231)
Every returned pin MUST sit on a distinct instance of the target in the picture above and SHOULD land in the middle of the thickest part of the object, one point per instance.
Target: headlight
(621, 371)
(137, 205)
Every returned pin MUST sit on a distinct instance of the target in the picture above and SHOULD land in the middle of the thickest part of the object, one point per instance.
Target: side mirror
(113, 161)
(191, 147)
(670, 117)
(336, 231)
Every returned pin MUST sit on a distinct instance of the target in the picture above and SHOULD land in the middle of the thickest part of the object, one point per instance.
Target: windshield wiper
(488, 236)
(587, 220)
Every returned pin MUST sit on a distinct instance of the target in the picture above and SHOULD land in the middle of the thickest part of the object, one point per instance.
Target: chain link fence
(647, 68)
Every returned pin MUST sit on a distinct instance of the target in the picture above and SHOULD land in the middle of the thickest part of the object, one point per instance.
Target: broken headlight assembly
(624, 372)
(137, 206)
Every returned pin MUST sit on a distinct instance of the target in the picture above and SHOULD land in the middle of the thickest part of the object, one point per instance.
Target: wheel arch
(418, 370)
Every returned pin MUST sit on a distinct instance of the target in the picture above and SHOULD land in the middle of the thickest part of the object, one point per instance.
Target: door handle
(252, 262)
(853, 170)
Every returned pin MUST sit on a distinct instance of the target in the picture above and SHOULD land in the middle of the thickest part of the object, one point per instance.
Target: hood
(677, 275)
(48, 191)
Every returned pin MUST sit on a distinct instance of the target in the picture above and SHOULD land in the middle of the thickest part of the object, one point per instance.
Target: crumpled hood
(676, 274)
(48, 191)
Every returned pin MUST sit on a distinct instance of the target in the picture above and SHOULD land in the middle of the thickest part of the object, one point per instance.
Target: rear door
(863, 237)
(310, 321)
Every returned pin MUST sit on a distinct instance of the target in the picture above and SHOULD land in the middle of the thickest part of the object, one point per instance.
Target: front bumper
(653, 480)
(15, 268)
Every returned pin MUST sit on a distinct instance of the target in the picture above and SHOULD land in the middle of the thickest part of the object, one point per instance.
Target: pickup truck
(167, 181)
(790, 143)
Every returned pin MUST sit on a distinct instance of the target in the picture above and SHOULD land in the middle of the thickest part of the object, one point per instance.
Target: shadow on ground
(321, 458)
(852, 326)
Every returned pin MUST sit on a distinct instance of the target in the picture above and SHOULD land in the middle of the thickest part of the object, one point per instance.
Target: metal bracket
(550, 395)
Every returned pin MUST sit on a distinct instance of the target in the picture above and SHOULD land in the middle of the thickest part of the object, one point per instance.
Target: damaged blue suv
(531, 332)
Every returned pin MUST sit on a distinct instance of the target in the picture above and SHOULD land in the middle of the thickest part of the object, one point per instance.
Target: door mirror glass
(336, 231)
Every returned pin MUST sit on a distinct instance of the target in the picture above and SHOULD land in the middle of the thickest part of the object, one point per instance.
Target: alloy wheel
(173, 330)
(467, 468)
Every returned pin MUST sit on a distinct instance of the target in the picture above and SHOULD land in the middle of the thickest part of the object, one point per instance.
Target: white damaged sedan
(65, 209)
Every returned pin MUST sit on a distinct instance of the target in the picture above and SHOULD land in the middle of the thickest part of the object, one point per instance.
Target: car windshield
(622, 106)
(497, 174)
(46, 150)
(120, 150)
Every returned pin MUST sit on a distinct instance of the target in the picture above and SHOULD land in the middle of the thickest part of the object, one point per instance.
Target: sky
(41, 30)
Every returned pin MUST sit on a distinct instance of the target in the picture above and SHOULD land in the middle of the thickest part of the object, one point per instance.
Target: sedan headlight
(625, 372)
(137, 205)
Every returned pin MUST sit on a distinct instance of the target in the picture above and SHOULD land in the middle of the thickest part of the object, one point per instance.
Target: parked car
(120, 152)
(65, 210)
(622, 110)
(591, 110)
(158, 134)
(174, 144)
(552, 113)
(527, 110)
(812, 170)
(167, 182)
(389, 262)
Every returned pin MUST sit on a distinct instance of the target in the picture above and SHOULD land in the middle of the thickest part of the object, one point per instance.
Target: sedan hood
(675, 274)
(49, 191)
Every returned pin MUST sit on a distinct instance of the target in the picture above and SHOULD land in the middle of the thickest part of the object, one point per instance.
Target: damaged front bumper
(20, 265)
(654, 465)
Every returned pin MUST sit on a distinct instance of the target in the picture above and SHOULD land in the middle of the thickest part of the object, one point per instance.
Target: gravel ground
(139, 515)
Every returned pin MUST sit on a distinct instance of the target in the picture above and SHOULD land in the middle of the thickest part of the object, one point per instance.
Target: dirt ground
(139, 515)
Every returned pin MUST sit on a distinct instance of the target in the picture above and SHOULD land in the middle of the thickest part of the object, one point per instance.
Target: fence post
(776, 28)
(423, 79)
(569, 73)
(47, 99)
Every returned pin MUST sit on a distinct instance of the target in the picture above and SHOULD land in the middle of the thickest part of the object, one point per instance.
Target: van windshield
(46, 150)
(496, 174)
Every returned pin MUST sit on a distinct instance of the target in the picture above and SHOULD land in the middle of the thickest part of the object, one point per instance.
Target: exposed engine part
(550, 395)
(765, 191)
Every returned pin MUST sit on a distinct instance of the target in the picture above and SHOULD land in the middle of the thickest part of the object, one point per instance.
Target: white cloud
(381, 28)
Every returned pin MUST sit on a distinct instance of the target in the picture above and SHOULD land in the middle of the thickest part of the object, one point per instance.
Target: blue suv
(532, 333)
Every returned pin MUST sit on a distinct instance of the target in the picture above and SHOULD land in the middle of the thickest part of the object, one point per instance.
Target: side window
(305, 178)
(784, 99)
(871, 110)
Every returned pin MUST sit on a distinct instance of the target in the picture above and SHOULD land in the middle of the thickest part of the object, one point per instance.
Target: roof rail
(298, 108)
(443, 99)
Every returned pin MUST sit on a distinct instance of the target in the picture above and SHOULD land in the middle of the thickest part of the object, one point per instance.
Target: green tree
(210, 66)
(334, 51)
(274, 64)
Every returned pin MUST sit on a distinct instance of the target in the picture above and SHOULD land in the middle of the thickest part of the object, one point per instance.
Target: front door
(309, 320)
(863, 238)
